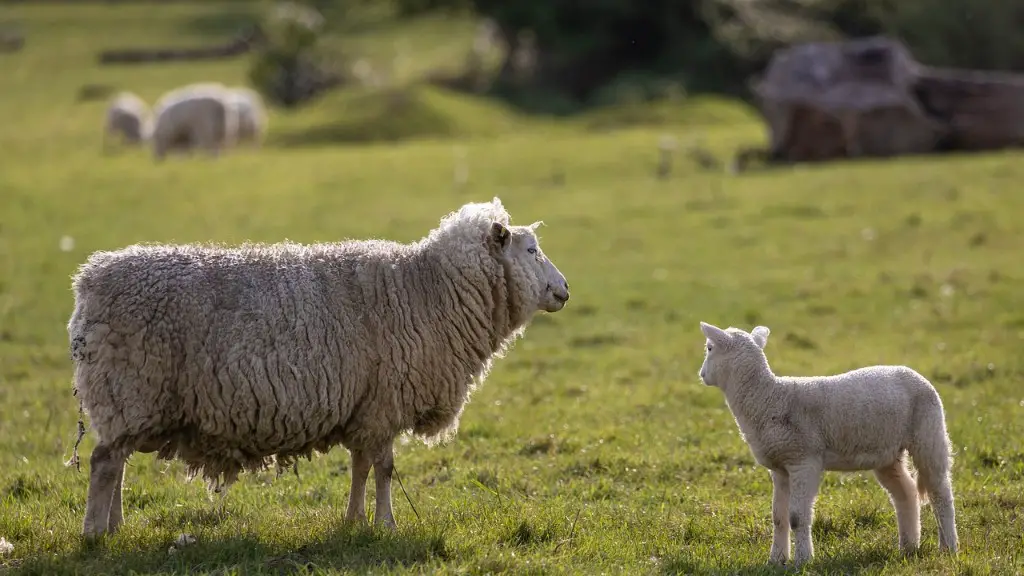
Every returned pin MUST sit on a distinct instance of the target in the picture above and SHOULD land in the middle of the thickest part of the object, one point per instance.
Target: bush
(290, 68)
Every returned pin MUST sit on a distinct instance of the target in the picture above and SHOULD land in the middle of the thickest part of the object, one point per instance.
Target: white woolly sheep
(252, 115)
(236, 358)
(194, 116)
(865, 419)
(129, 117)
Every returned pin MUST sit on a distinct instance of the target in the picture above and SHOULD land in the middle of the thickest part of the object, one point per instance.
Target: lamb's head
(732, 353)
(537, 279)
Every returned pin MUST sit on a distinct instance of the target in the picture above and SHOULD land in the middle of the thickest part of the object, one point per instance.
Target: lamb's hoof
(388, 524)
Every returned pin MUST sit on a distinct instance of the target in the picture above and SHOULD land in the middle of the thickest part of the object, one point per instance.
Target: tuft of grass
(592, 447)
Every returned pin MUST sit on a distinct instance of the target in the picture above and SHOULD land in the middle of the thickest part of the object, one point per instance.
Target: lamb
(252, 115)
(194, 116)
(127, 116)
(236, 358)
(865, 419)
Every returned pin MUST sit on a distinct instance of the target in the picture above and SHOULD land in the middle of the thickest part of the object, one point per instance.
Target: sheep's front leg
(382, 470)
(804, 482)
(357, 495)
(779, 553)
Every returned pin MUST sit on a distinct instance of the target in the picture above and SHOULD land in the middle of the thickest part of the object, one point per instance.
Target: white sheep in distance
(198, 115)
(129, 118)
(252, 115)
(865, 419)
(236, 358)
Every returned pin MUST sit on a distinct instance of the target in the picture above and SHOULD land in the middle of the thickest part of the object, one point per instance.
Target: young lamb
(195, 116)
(252, 115)
(127, 116)
(234, 358)
(865, 419)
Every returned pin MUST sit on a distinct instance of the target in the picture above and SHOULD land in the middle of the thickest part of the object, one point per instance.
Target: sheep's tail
(932, 451)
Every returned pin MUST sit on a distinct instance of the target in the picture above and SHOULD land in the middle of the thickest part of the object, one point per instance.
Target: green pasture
(593, 448)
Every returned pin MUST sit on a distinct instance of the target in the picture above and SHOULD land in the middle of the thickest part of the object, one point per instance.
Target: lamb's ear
(500, 235)
(533, 227)
(760, 334)
(713, 333)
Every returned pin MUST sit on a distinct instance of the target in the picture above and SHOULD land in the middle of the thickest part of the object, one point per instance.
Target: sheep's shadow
(347, 547)
(844, 562)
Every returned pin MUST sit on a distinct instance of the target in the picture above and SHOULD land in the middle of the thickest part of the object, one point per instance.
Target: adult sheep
(195, 116)
(252, 115)
(234, 358)
(129, 118)
(865, 419)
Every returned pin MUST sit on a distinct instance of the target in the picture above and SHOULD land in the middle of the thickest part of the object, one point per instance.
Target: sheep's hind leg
(804, 482)
(779, 553)
(116, 511)
(357, 495)
(903, 493)
(105, 467)
(382, 470)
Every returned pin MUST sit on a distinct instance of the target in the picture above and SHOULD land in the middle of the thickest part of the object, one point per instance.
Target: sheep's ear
(760, 334)
(496, 202)
(713, 333)
(533, 227)
(500, 235)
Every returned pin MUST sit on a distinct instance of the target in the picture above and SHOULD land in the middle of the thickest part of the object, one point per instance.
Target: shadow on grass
(392, 116)
(355, 548)
(844, 563)
(223, 23)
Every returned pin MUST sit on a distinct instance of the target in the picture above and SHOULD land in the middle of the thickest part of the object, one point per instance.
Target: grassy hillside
(593, 447)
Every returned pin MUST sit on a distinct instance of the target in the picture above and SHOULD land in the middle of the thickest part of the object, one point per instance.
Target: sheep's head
(538, 280)
(731, 350)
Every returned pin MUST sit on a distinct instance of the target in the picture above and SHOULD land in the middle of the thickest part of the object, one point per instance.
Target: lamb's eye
(531, 250)
(709, 347)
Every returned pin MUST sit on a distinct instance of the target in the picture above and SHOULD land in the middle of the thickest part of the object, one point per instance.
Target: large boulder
(825, 100)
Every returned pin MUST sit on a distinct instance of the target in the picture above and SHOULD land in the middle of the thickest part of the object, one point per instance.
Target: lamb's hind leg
(779, 553)
(357, 495)
(804, 481)
(903, 493)
(382, 470)
(940, 492)
(105, 468)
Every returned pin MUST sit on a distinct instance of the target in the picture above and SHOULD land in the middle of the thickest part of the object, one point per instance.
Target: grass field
(593, 447)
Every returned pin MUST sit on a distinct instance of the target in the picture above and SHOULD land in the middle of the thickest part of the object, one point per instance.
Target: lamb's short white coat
(865, 419)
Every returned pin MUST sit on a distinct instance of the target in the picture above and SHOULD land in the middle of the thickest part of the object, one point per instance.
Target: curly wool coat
(230, 357)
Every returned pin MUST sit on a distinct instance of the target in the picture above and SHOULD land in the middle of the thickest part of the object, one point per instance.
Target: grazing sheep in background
(865, 419)
(236, 358)
(194, 116)
(252, 115)
(127, 116)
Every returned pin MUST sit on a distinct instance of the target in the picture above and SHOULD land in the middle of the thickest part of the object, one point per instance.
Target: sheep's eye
(531, 250)
(709, 347)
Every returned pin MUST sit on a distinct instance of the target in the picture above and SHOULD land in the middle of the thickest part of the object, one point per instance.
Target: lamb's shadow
(345, 548)
(845, 562)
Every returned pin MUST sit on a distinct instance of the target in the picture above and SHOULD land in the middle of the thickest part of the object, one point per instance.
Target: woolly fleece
(232, 358)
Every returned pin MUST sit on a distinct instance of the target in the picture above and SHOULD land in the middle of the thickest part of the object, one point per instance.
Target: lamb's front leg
(804, 481)
(382, 470)
(357, 495)
(779, 553)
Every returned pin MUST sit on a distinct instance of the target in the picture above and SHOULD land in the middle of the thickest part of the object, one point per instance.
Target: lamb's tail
(931, 451)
